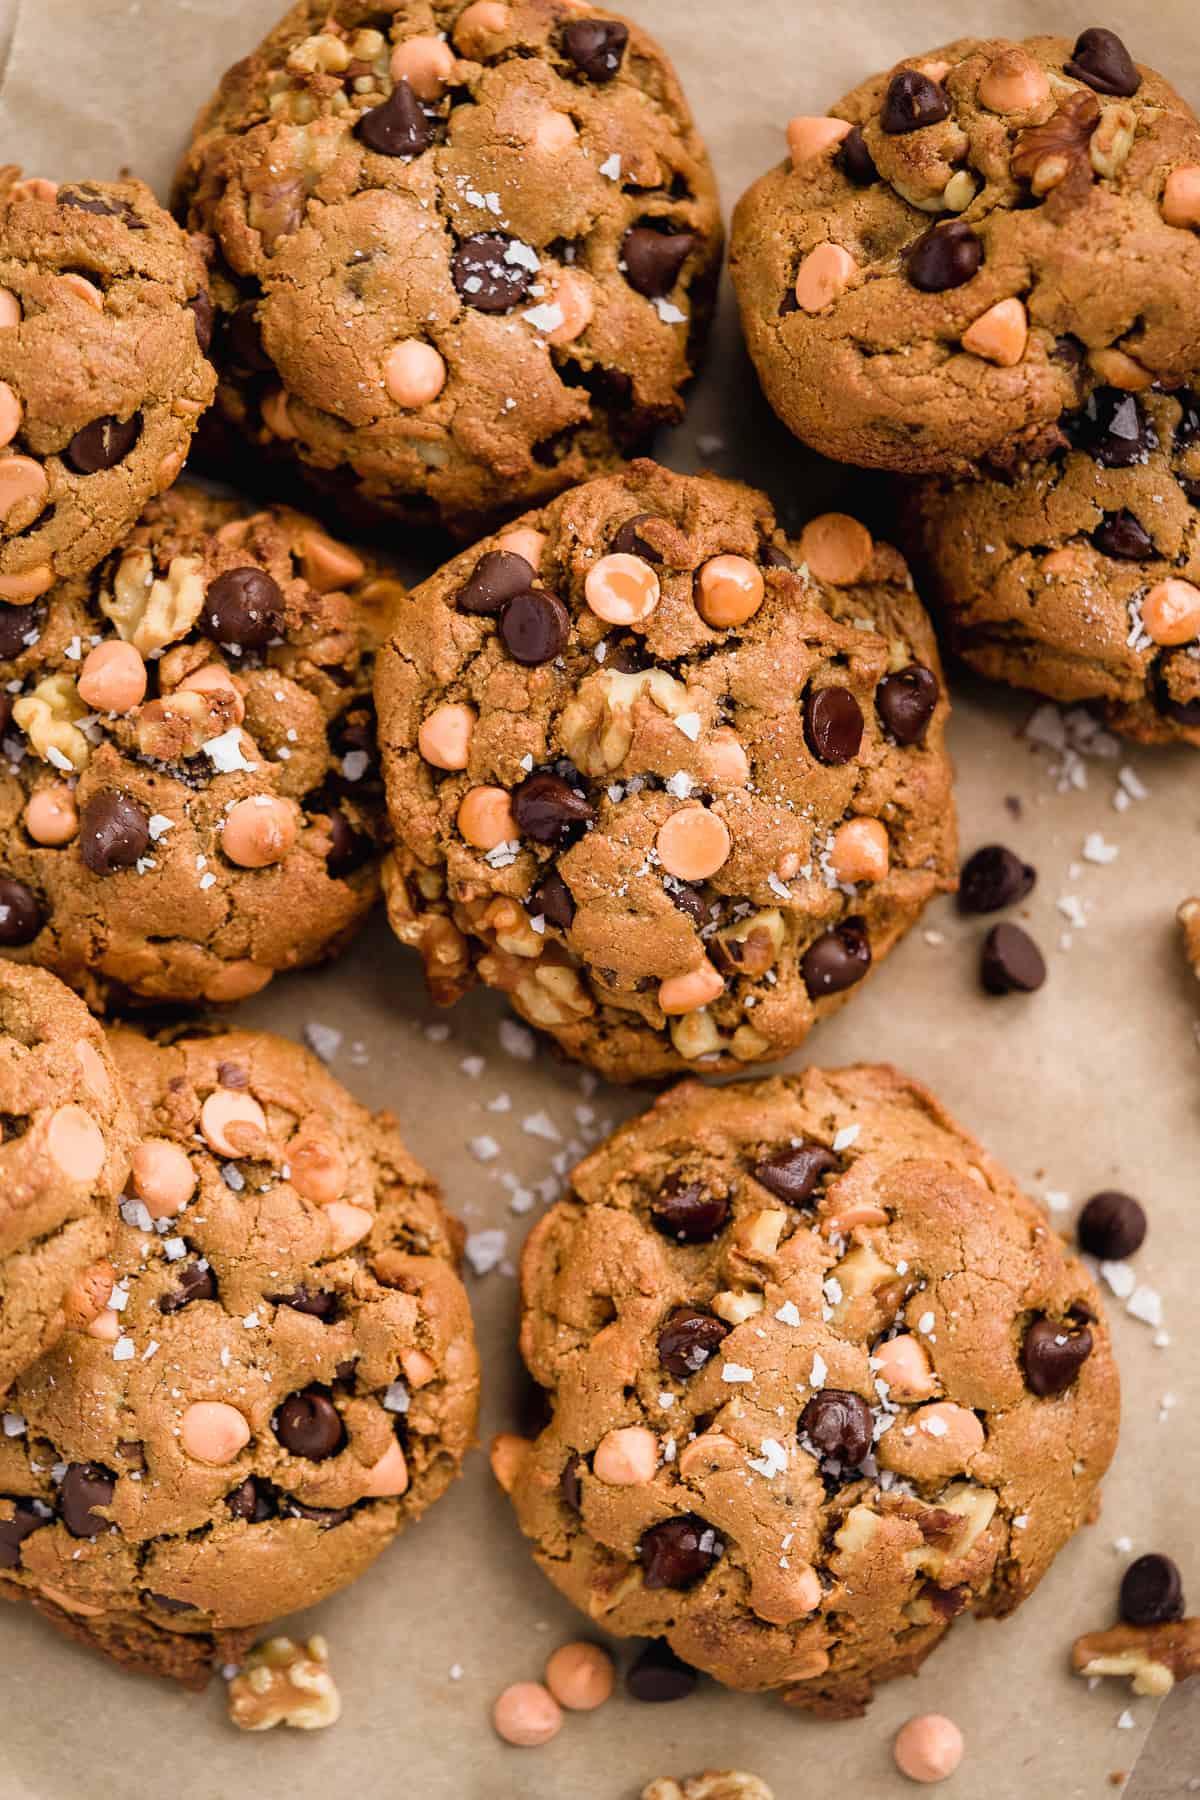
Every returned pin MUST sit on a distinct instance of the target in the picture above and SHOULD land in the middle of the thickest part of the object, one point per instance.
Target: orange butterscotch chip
(485, 818)
(824, 276)
(426, 63)
(836, 548)
(1000, 334)
(688, 993)
(859, 851)
(622, 589)
(809, 138)
(414, 373)
(693, 843)
(444, 737)
(21, 479)
(1181, 197)
(1013, 82)
(1171, 612)
(729, 590)
(51, 816)
(259, 831)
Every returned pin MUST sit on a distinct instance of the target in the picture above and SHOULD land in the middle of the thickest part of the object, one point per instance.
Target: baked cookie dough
(1080, 577)
(1189, 925)
(820, 1378)
(189, 789)
(969, 246)
(284, 1376)
(105, 324)
(670, 783)
(66, 1134)
(466, 254)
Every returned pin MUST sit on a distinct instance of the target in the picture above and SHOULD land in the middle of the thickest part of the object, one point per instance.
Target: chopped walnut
(730, 1784)
(1112, 140)
(1154, 1657)
(284, 1683)
(597, 725)
(48, 716)
(1045, 155)
(150, 613)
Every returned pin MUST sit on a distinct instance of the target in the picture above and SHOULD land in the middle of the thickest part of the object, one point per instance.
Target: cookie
(189, 791)
(968, 247)
(820, 1378)
(670, 783)
(284, 1377)
(466, 254)
(105, 324)
(1189, 925)
(1079, 577)
(66, 1135)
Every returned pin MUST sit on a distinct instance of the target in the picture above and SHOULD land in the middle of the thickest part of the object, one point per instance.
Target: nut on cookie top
(821, 1378)
(968, 246)
(668, 782)
(189, 790)
(466, 253)
(104, 326)
(284, 1373)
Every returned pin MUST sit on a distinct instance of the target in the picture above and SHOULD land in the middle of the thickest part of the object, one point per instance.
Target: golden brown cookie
(968, 246)
(285, 1374)
(820, 1377)
(189, 791)
(670, 783)
(467, 252)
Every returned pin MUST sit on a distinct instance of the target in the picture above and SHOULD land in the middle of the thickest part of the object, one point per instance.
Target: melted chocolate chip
(992, 879)
(1112, 1226)
(1123, 536)
(1011, 962)
(552, 898)
(1187, 431)
(833, 725)
(400, 127)
(1102, 61)
(689, 900)
(653, 259)
(535, 627)
(252, 1501)
(1113, 428)
(196, 1282)
(113, 833)
(1052, 1355)
(13, 1532)
(103, 444)
(487, 273)
(840, 1424)
(16, 624)
(793, 1175)
(837, 959)
(946, 257)
(907, 701)
(21, 918)
(688, 1213)
(547, 808)
(657, 1675)
(688, 1339)
(855, 160)
(570, 1483)
(317, 1303)
(242, 609)
(328, 1516)
(496, 577)
(1152, 1591)
(85, 1486)
(164, 1602)
(679, 1552)
(912, 101)
(202, 314)
(628, 541)
(596, 46)
(245, 341)
(308, 1425)
(347, 849)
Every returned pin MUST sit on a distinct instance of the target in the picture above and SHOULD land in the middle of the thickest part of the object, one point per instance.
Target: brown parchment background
(1093, 1082)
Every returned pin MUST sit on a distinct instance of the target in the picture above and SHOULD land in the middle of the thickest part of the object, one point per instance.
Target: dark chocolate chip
(486, 277)
(245, 341)
(1101, 59)
(252, 1501)
(232, 1075)
(689, 900)
(840, 1424)
(317, 1303)
(688, 1213)
(679, 1552)
(103, 444)
(1114, 429)
(347, 850)
(658, 1675)
(911, 102)
(164, 1602)
(1183, 712)
(308, 1425)
(628, 656)
(946, 257)
(855, 160)
(328, 1516)
(1187, 431)
(1123, 536)
(21, 918)
(1012, 962)
(688, 1339)
(570, 1482)
(196, 1282)
(1112, 1226)
(653, 259)
(1052, 1355)
(400, 127)
(833, 725)
(242, 609)
(793, 1175)
(496, 577)
(774, 558)
(25, 1519)
(547, 808)
(552, 898)
(85, 1486)
(1152, 1591)
(93, 203)
(628, 541)
(113, 833)
(202, 314)
(596, 46)
(992, 879)
(535, 627)
(837, 959)
(16, 624)
(907, 701)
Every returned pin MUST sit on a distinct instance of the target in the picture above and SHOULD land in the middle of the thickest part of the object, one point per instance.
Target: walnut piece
(597, 725)
(48, 717)
(1046, 154)
(284, 1683)
(730, 1784)
(151, 613)
(1154, 1657)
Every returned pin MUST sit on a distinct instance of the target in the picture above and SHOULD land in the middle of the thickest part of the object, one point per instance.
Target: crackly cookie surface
(968, 246)
(104, 325)
(465, 253)
(66, 1134)
(189, 792)
(669, 782)
(284, 1375)
(821, 1378)
(1079, 577)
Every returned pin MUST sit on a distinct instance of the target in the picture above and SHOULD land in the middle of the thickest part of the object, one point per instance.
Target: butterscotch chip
(1189, 924)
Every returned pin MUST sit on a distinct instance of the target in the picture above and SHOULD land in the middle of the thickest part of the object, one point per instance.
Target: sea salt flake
(483, 1149)
(517, 1040)
(395, 1397)
(124, 1349)
(1145, 1303)
(846, 1136)
(225, 752)
(14, 1425)
(1120, 1278)
(934, 1427)
(689, 724)
(158, 824)
(819, 1371)
(736, 1372)
(669, 313)
(926, 1323)
(323, 1040)
(788, 1313)
(612, 167)
(1096, 849)
(773, 1460)
(541, 1125)
(485, 1250)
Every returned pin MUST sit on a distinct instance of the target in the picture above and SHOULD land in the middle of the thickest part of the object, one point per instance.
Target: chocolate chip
(252, 1501)
(793, 1175)
(688, 1213)
(658, 1675)
(628, 541)
(232, 1075)
(202, 314)
(1112, 1226)
(1123, 536)
(679, 1552)
(21, 917)
(653, 259)
(628, 656)
(317, 1303)
(486, 274)
(347, 850)
(1152, 1591)
(328, 1516)
(400, 127)
(1052, 1355)
(245, 341)
(535, 627)
(308, 1425)
(546, 808)
(1183, 712)
(14, 1531)
(596, 46)
(1012, 962)
(93, 203)
(773, 558)
(242, 609)
(688, 1339)
(946, 257)
(1187, 431)
(992, 879)
(1191, 488)
(103, 444)
(113, 833)
(570, 1482)
(907, 701)
(16, 624)
(837, 959)
(196, 1282)
(164, 1602)
(1101, 59)
(85, 1486)
(1113, 428)
(689, 900)
(553, 900)
(833, 725)
(496, 577)
(840, 1424)
(855, 160)
(911, 102)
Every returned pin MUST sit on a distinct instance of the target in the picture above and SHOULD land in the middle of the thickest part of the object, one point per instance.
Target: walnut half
(285, 1683)
(730, 1784)
(1045, 155)
(1154, 1657)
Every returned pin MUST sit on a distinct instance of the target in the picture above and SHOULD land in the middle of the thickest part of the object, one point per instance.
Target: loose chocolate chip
(855, 160)
(16, 624)
(1113, 428)
(992, 879)
(689, 900)
(328, 1516)
(793, 1175)
(316, 1303)
(773, 558)
(308, 1425)
(837, 959)
(1101, 59)
(487, 275)
(840, 1424)
(103, 444)
(252, 1502)
(552, 898)
(242, 609)
(14, 1531)
(164, 1603)
(653, 259)
(196, 1282)
(911, 102)
(1112, 1226)
(596, 46)
(21, 917)
(113, 833)
(946, 257)
(1152, 1591)
(546, 808)
(657, 1675)
(688, 1339)
(84, 1487)
(570, 1483)
(1123, 536)
(496, 577)
(1012, 962)
(202, 314)
(628, 541)
(833, 725)
(400, 127)
(688, 1213)
(245, 341)
(679, 1552)
(1052, 1355)
(907, 701)
(535, 627)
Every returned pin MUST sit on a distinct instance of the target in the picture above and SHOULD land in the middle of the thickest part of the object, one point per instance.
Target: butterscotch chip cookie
(669, 782)
(189, 790)
(1079, 577)
(284, 1377)
(104, 327)
(968, 247)
(467, 252)
(1189, 925)
(66, 1134)
(820, 1379)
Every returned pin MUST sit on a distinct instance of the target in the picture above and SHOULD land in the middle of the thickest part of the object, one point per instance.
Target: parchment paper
(1093, 1082)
